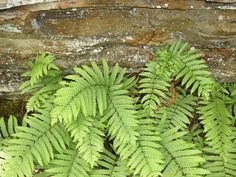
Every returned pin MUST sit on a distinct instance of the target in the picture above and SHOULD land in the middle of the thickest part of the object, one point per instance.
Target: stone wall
(127, 31)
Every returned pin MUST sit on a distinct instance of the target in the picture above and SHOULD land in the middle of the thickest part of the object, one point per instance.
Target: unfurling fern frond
(111, 165)
(181, 158)
(68, 164)
(177, 114)
(34, 143)
(144, 158)
(154, 85)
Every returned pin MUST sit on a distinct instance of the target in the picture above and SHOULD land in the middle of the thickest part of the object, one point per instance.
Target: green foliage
(69, 163)
(175, 120)
(35, 142)
(154, 85)
(181, 158)
(178, 114)
(9, 127)
(111, 166)
(144, 158)
(221, 164)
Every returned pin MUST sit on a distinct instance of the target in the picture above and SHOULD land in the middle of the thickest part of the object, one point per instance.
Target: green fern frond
(145, 157)
(41, 96)
(217, 122)
(40, 67)
(83, 92)
(4, 158)
(196, 135)
(177, 114)
(79, 128)
(221, 164)
(111, 165)
(92, 144)
(68, 164)
(120, 117)
(191, 69)
(9, 127)
(154, 85)
(42, 89)
(34, 143)
(181, 158)
(53, 76)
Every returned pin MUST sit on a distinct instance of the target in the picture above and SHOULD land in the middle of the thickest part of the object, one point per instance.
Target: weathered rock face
(127, 31)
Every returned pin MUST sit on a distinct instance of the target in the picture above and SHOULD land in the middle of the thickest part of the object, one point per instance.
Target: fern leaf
(181, 158)
(88, 136)
(82, 93)
(153, 85)
(69, 163)
(177, 114)
(4, 158)
(79, 128)
(8, 128)
(120, 117)
(34, 143)
(40, 68)
(144, 158)
(191, 69)
(217, 122)
(111, 166)
(221, 164)
(92, 144)
(41, 96)
(196, 135)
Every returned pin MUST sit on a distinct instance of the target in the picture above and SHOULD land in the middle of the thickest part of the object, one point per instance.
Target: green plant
(173, 121)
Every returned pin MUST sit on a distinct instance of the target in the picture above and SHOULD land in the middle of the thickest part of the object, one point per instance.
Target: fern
(42, 65)
(177, 114)
(154, 84)
(174, 120)
(195, 134)
(181, 158)
(111, 166)
(192, 71)
(69, 163)
(216, 121)
(120, 117)
(34, 143)
(85, 92)
(221, 164)
(8, 128)
(145, 158)
(92, 144)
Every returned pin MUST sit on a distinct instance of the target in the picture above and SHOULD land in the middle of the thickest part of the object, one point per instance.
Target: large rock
(5, 4)
(129, 32)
